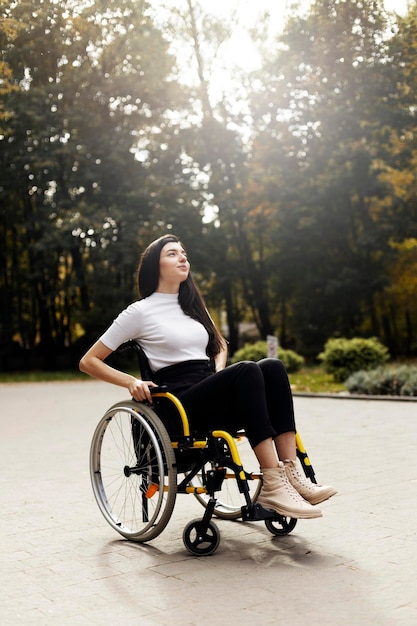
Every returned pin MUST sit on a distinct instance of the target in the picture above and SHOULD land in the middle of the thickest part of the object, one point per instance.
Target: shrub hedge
(390, 381)
(258, 350)
(343, 357)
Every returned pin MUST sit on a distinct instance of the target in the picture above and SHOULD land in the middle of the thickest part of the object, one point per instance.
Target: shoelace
(293, 492)
(302, 479)
(299, 477)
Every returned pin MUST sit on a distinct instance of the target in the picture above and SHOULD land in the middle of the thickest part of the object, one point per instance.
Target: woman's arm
(221, 358)
(92, 363)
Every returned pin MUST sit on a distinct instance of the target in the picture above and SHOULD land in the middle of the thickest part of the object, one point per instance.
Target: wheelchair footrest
(256, 512)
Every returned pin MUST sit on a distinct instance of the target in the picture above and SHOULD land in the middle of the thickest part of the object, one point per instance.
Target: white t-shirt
(162, 329)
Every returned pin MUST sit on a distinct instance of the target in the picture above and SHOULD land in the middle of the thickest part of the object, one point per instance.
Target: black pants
(253, 396)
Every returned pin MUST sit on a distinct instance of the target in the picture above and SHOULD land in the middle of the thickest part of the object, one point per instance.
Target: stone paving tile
(62, 564)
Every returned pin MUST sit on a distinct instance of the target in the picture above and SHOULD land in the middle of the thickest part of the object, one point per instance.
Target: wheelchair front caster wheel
(200, 541)
(282, 526)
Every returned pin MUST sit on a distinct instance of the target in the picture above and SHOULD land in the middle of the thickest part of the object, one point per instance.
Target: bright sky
(239, 51)
(278, 9)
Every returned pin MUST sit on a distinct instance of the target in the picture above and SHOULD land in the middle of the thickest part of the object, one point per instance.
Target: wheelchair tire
(201, 542)
(133, 472)
(281, 527)
(230, 500)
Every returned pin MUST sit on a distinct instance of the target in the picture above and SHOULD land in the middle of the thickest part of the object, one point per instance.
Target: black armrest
(159, 389)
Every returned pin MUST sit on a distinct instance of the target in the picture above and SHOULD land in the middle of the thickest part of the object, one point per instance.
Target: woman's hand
(93, 364)
(140, 390)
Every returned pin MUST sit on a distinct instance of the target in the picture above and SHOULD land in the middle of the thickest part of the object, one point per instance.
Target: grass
(314, 380)
(41, 377)
(307, 380)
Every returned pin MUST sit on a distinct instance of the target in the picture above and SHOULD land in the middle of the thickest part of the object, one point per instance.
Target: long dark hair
(189, 297)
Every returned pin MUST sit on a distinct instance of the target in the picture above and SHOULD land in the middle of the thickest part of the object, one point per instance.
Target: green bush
(293, 362)
(343, 357)
(409, 387)
(250, 352)
(256, 351)
(392, 381)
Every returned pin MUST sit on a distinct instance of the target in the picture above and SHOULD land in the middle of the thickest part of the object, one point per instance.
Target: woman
(187, 353)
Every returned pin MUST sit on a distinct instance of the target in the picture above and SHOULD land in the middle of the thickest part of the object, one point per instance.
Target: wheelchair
(143, 455)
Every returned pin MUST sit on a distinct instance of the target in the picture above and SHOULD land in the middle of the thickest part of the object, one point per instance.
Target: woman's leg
(256, 396)
(235, 397)
(231, 399)
(285, 445)
(280, 406)
(281, 412)
(279, 400)
(266, 454)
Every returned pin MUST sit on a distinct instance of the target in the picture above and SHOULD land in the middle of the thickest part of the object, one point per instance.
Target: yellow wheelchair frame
(136, 463)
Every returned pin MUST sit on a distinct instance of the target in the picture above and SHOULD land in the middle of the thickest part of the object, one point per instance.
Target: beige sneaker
(310, 491)
(277, 494)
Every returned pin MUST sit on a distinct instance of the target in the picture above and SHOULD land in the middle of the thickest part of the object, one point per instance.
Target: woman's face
(173, 267)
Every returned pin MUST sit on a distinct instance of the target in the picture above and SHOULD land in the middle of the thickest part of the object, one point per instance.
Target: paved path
(62, 564)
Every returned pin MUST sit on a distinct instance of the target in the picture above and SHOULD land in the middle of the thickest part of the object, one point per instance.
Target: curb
(347, 396)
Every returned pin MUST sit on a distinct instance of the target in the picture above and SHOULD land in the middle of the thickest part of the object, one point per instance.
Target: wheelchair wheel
(201, 542)
(230, 500)
(132, 469)
(282, 526)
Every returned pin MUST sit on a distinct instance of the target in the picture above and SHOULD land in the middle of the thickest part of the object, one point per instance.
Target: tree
(296, 205)
(325, 96)
(210, 166)
(398, 303)
(92, 81)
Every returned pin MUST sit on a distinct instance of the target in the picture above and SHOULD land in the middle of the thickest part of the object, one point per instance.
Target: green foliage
(340, 216)
(392, 381)
(258, 350)
(292, 361)
(103, 148)
(72, 194)
(251, 352)
(342, 357)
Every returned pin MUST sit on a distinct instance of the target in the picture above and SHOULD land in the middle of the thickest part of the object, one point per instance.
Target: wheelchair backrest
(143, 362)
(163, 405)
